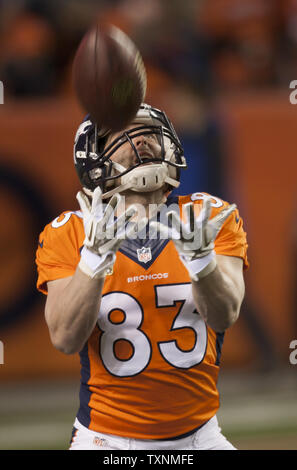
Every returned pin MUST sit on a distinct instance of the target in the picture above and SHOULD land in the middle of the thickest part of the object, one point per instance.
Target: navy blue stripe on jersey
(219, 344)
(182, 436)
(172, 200)
(129, 247)
(72, 434)
(84, 412)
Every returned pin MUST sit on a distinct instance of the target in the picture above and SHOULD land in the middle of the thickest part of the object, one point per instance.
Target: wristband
(94, 265)
(200, 267)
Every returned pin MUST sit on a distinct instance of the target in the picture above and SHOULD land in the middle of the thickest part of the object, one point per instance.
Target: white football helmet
(95, 167)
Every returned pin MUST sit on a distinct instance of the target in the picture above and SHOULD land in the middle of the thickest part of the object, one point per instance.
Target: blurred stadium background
(222, 71)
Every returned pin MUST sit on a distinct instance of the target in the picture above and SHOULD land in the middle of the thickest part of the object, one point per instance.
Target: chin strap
(145, 178)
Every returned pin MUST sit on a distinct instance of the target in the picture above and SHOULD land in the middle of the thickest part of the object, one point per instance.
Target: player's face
(147, 146)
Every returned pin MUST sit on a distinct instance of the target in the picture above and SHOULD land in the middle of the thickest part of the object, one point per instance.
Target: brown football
(109, 77)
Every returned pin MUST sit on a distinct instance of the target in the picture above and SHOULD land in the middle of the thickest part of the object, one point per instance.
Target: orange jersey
(149, 369)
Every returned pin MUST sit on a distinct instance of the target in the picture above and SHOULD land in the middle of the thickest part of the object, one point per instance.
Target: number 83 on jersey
(129, 329)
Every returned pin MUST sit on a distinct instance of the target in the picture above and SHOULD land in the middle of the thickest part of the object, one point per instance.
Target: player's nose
(141, 141)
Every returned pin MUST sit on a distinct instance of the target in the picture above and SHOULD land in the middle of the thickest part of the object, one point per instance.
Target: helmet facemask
(100, 169)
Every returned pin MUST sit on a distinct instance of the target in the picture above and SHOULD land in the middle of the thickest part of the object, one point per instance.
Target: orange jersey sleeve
(58, 252)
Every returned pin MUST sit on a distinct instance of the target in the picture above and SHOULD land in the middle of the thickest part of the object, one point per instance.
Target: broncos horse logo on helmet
(95, 167)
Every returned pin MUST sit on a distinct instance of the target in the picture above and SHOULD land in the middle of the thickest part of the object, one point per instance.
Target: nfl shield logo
(144, 254)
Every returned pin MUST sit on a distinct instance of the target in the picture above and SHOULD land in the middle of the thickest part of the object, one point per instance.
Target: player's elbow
(227, 319)
(230, 319)
(222, 316)
(65, 348)
(64, 343)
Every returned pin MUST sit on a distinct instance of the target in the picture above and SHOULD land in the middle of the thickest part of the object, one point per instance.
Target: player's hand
(103, 232)
(194, 238)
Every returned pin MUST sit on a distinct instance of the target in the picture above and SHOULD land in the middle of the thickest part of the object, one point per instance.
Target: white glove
(103, 233)
(194, 239)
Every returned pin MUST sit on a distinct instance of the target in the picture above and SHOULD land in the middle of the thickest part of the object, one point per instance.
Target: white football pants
(208, 437)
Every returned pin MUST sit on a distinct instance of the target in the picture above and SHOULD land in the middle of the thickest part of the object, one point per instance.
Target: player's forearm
(217, 299)
(73, 314)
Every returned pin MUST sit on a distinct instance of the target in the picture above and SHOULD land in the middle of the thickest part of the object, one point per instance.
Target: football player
(143, 285)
